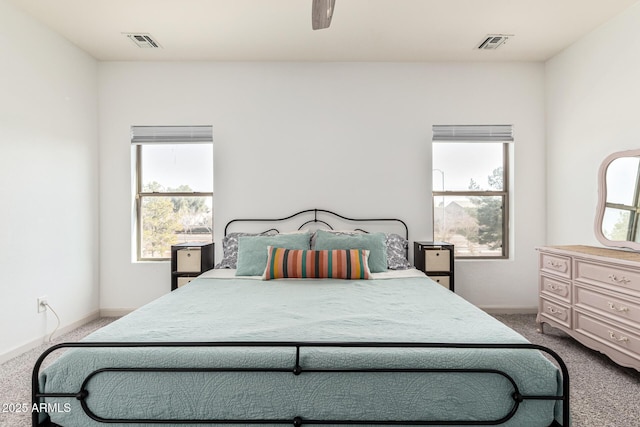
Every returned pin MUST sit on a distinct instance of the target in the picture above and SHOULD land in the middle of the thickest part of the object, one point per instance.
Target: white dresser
(593, 294)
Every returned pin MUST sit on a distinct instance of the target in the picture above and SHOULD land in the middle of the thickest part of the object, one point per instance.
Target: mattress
(397, 308)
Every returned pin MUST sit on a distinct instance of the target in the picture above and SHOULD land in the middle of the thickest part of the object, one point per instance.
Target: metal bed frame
(316, 214)
(516, 396)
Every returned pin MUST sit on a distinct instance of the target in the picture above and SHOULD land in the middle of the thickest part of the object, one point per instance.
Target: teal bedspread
(382, 310)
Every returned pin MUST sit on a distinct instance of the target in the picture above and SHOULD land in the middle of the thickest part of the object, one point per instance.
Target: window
(174, 188)
(470, 189)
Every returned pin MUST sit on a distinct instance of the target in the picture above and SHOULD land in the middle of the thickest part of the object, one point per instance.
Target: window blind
(171, 134)
(497, 133)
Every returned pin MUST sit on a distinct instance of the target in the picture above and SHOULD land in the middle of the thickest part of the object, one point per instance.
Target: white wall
(48, 189)
(350, 137)
(592, 107)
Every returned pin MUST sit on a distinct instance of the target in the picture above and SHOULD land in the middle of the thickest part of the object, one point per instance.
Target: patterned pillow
(328, 264)
(230, 249)
(397, 252)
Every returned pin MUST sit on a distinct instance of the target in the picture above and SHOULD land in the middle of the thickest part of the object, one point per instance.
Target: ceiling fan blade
(321, 13)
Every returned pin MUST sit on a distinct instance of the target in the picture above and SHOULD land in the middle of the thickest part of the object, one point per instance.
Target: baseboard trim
(115, 312)
(510, 310)
(17, 351)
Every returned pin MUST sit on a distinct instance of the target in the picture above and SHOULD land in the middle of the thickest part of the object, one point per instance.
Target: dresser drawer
(558, 265)
(607, 305)
(552, 287)
(614, 277)
(608, 335)
(556, 312)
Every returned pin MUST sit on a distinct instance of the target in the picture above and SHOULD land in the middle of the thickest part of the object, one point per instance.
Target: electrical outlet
(42, 304)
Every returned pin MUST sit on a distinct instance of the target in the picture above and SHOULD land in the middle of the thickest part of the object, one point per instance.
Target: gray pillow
(397, 252)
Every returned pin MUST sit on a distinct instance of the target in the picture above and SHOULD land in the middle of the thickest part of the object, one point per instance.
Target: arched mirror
(618, 214)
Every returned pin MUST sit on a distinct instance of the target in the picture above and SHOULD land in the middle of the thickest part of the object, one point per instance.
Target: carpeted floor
(602, 393)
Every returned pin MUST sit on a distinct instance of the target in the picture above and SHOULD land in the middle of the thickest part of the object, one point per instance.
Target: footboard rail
(516, 396)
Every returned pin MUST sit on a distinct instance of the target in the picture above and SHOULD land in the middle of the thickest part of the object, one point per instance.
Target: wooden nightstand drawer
(555, 264)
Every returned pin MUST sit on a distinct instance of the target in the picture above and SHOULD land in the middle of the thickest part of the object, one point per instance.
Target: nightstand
(436, 260)
(189, 260)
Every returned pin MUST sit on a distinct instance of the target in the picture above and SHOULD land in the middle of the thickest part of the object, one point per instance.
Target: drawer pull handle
(622, 280)
(556, 264)
(555, 311)
(554, 287)
(622, 338)
(622, 308)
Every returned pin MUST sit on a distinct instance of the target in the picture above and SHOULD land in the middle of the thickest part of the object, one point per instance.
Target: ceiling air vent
(143, 40)
(493, 41)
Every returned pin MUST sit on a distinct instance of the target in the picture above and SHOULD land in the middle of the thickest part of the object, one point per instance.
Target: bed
(394, 348)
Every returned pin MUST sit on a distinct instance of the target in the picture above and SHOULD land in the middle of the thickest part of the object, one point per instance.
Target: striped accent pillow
(323, 264)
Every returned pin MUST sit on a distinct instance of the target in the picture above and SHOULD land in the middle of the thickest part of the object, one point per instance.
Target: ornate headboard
(322, 218)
